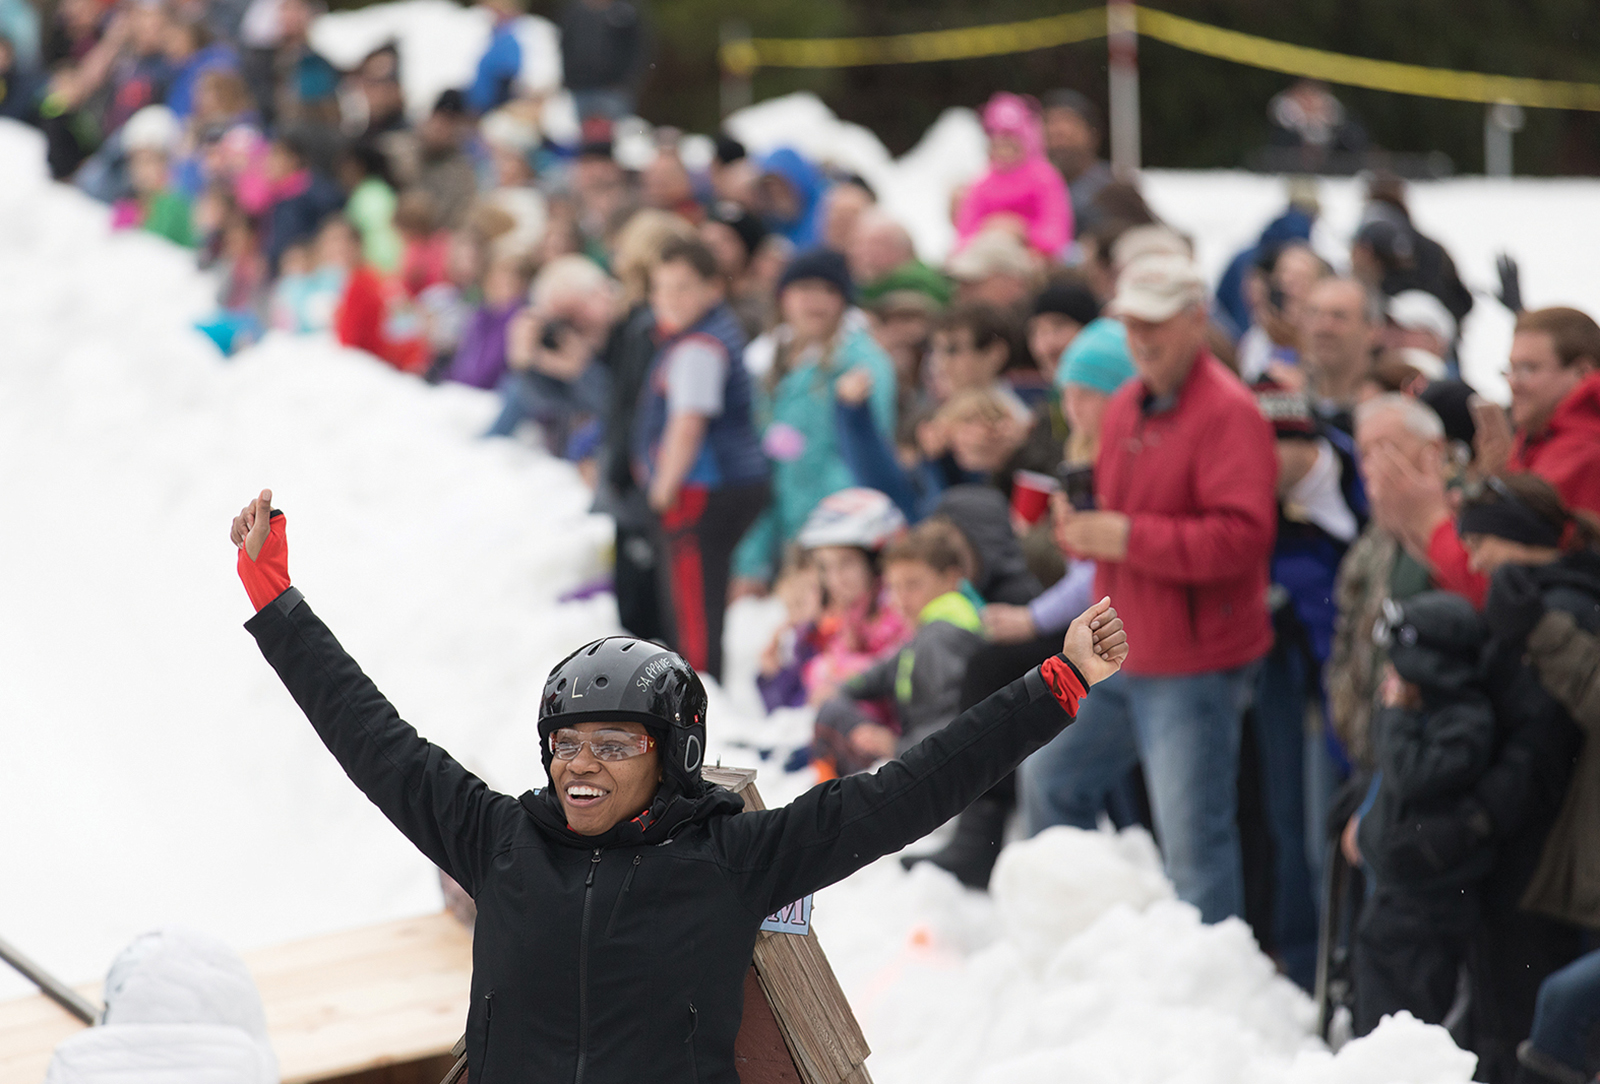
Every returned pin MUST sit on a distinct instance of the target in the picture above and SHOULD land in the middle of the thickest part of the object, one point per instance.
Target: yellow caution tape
(743, 57)
(1358, 71)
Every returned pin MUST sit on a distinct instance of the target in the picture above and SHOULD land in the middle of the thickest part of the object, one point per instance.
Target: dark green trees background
(1197, 112)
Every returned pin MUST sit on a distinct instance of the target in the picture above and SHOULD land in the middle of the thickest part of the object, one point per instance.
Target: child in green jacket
(925, 573)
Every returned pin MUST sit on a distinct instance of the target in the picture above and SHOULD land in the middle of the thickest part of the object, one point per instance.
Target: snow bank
(157, 758)
(1082, 967)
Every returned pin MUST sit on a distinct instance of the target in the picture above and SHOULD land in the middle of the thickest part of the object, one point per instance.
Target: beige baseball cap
(1157, 287)
(1152, 240)
(992, 252)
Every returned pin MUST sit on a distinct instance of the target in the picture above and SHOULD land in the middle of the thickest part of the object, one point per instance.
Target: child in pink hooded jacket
(1021, 182)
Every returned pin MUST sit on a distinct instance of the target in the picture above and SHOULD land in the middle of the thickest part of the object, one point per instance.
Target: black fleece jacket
(623, 957)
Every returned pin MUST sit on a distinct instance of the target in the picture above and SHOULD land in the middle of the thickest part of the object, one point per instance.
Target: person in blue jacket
(790, 196)
(1230, 307)
(501, 62)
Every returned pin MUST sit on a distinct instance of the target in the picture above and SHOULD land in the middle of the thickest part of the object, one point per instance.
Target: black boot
(971, 855)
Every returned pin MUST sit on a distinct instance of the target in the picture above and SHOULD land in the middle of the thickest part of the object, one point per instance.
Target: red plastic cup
(1030, 495)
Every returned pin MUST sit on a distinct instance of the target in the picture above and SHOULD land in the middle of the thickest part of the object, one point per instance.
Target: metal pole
(1122, 49)
(1500, 122)
(56, 990)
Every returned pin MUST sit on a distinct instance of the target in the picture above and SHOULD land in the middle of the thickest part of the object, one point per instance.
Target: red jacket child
(362, 320)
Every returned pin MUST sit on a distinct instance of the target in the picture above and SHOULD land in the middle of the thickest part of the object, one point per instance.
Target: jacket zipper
(583, 967)
(488, 1020)
(616, 908)
(694, 1026)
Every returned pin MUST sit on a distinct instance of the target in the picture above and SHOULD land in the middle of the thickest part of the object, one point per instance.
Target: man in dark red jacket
(1185, 484)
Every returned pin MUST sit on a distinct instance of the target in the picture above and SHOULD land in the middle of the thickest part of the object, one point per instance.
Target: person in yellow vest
(917, 690)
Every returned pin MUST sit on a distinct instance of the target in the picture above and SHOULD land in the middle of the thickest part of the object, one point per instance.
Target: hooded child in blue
(792, 188)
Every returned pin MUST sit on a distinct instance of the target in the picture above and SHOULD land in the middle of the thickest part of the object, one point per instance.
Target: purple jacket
(481, 358)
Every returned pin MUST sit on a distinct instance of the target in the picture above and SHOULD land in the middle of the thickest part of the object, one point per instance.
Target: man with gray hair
(1182, 530)
(1391, 430)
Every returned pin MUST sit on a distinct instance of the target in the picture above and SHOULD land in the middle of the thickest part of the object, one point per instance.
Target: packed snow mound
(1124, 985)
(440, 43)
(1401, 1050)
(1054, 886)
(166, 774)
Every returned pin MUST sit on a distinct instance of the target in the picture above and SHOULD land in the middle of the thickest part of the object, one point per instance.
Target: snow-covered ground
(155, 771)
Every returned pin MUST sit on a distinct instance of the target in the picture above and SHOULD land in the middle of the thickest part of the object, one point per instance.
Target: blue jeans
(1567, 1013)
(1185, 732)
(1280, 720)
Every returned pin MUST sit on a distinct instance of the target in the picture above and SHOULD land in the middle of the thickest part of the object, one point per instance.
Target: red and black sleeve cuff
(1065, 682)
(267, 576)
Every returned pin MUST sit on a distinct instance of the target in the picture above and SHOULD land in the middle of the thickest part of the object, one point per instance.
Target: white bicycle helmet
(852, 517)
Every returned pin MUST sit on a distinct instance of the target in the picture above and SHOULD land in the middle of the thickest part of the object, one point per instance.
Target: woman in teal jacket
(795, 370)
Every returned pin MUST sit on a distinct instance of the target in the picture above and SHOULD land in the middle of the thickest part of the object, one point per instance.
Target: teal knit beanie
(1098, 357)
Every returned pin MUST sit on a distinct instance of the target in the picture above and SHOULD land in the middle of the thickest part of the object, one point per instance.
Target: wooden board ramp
(385, 1004)
(363, 1001)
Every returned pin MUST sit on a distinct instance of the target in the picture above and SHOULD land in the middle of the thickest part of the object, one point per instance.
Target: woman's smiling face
(596, 794)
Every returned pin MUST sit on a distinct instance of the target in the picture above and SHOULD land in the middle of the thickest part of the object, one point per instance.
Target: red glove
(1058, 673)
(267, 577)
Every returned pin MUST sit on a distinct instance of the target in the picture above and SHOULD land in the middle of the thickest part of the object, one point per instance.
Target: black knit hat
(819, 263)
(1069, 299)
(750, 228)
(1452, 401)
(1434, 640)
(452, 103)
(1071, 99)
(729, 150)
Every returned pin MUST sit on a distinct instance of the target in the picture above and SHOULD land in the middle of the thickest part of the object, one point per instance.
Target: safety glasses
(608, 745)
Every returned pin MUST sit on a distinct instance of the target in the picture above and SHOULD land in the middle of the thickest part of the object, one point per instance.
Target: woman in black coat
(618, 907)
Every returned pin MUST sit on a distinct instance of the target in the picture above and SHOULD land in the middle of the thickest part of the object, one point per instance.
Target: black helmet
(619, 678)
(1435, 640)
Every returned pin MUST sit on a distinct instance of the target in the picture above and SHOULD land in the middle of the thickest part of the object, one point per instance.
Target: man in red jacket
(1185, 485)
(1555, 409)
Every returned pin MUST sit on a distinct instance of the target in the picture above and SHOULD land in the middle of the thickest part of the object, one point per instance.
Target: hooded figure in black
(1433, 738)
(612, 946)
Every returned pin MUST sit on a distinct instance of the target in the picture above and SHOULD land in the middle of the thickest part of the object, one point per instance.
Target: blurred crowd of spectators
(1356, 591)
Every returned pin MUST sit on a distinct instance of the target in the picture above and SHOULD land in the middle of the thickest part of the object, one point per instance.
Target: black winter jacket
(621, 958)
(1431, 756)
(1501, 824)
